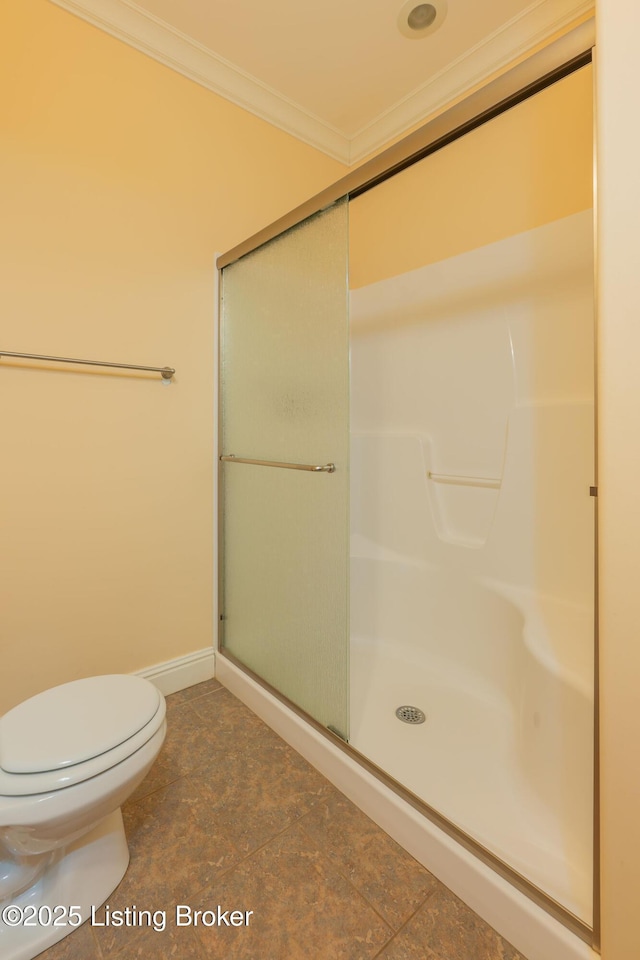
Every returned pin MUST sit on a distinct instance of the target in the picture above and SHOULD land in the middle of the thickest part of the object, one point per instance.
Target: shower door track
(558, 59)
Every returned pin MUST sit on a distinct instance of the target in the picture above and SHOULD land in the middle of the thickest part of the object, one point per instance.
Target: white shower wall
(480, 368)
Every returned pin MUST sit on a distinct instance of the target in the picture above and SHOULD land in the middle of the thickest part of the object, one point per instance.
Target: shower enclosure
(407, 483)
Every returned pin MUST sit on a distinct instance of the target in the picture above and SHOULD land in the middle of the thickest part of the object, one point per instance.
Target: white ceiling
(338, 74)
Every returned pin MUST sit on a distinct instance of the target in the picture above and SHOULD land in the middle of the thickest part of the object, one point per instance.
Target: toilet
(69, 758)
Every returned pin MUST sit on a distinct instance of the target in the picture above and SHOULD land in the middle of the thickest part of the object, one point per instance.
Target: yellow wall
(471, 192)
(120, 180)
(521, 170)
(618, 79)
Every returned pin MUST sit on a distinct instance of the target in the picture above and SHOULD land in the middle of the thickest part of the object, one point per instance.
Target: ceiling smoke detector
(416, 20)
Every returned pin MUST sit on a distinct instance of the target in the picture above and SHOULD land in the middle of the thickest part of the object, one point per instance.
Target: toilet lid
(75, 722)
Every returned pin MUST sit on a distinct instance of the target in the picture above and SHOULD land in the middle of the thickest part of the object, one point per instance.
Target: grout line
(184, 702)
(364, 897)
(247, 856)
(99, 953)
(152, 793)
(404, 925)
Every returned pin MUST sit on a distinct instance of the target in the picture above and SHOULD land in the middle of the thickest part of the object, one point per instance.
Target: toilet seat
(76, 731)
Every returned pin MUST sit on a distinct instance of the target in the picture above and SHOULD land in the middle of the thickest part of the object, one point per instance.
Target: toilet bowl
(69, 757)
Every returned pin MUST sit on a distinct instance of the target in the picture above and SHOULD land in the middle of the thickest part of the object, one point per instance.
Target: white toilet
(69, 757)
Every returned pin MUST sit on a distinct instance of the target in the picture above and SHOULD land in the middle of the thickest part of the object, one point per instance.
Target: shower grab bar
(492, 482)
(165, 372)
(313, 468)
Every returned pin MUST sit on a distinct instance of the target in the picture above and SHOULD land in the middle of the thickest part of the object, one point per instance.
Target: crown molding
(126, 21)
(505, 46)
(155, 38)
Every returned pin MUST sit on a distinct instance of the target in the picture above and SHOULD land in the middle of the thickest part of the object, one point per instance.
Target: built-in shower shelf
(492, 483)
(463, 506)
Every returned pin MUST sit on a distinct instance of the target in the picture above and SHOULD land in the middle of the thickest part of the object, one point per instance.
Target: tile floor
(230, 815)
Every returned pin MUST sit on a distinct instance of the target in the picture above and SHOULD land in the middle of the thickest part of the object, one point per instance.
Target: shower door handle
(311, 467)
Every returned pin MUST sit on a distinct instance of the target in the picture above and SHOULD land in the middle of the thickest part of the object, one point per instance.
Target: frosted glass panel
(285, 383)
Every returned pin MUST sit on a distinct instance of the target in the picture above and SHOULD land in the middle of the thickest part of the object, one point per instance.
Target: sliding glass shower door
(466, 312)
(284, 480)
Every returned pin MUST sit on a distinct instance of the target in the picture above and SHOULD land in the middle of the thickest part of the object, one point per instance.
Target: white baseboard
(174, 675)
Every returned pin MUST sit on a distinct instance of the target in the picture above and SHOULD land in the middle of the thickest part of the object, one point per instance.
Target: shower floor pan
(463, 761)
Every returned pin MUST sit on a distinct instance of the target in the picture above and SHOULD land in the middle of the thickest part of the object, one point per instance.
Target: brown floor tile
(131, 893)
(302, 908)
(190, 742)
(160, 819)
(175, 845)
(390, 879)
(172, 857)
(79, 945)
(192, 693)
(169, 944)
(257, 790)
(228, 721)
(445, 929)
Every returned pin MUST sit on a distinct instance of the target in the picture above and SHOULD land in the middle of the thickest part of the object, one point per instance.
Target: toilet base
(81, 876)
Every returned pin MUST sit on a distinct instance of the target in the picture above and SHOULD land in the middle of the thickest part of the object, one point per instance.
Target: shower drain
(410, 714)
